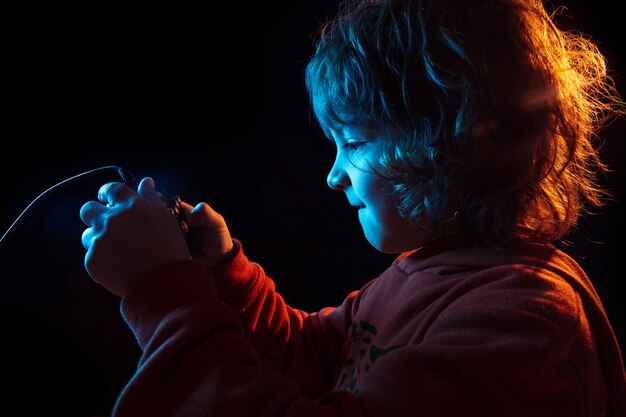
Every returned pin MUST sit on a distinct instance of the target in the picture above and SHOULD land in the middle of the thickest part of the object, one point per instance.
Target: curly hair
(486, 105)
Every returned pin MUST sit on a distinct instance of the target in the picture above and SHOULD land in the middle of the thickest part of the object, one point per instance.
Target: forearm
(287, 339)
(196, 360)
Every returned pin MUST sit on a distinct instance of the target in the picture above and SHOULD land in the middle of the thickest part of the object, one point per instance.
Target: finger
(187, 207)
(147, 191)
(195, 215)
(114, 192)
(87, 238)
(91, 211)
(90, 261)
(202, 215)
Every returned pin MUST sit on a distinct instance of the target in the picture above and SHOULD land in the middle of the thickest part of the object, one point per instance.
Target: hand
(209, 238)
(129, 234)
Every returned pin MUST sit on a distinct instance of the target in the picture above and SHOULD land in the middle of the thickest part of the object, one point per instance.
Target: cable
(123, 173)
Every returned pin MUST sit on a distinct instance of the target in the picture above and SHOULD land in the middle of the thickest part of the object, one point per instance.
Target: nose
(337, 177)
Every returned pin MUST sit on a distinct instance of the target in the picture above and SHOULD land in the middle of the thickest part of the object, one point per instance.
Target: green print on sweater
(362, 334)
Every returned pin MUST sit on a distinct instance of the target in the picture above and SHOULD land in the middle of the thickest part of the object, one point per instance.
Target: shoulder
(530, 279)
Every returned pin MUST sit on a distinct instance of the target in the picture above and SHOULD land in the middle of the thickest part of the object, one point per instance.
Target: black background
(210, 103)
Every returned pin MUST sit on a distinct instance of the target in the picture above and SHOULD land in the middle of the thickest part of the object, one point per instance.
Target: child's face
(382, 223)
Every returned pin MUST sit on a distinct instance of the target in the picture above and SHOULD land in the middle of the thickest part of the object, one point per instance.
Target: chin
(387, 247)
(393, 244)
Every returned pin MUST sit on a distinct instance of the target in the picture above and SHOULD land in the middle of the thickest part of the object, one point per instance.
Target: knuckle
(103, 191)
(108, 222)
(85, 211)
(86, 238)
(205, 208)
(134, 203)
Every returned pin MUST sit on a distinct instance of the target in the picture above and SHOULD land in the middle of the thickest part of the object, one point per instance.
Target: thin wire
(50, 191)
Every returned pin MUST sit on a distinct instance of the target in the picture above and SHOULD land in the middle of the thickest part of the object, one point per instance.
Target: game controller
(173, 204)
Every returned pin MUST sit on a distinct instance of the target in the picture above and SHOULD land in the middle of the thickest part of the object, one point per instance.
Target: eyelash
(353, 146)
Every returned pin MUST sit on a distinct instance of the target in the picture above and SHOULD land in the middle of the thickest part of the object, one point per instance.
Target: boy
(464, 135)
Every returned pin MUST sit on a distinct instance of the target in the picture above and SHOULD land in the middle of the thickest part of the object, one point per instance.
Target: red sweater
(463, 331)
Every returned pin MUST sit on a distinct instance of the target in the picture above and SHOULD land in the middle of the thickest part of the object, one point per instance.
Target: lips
(355, 203)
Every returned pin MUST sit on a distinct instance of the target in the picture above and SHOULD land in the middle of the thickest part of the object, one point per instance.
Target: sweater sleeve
(197, 361)
(304, 346)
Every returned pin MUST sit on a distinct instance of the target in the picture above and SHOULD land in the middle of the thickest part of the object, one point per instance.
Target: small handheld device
(173, 204)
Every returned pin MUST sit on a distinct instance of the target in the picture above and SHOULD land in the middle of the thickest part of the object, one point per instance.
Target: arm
(196, 360)
(493, 353)
(304, 346)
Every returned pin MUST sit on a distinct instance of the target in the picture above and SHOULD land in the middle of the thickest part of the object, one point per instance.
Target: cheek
(383, 225)
(374, 191)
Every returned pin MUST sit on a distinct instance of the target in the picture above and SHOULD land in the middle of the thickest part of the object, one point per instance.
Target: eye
(353, 146)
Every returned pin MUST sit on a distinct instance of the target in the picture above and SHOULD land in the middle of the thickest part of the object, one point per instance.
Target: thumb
(202, 215)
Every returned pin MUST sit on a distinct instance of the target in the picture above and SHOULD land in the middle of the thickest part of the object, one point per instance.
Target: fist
(129, 234)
